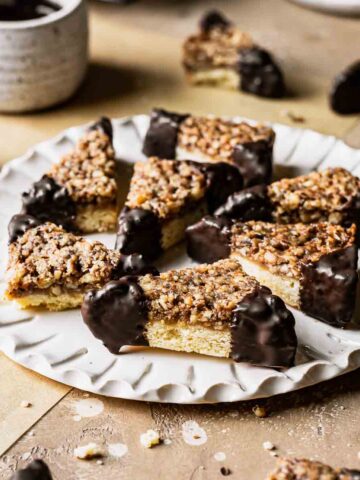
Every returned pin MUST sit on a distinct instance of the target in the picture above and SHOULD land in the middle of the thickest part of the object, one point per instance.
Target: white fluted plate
(59, 346)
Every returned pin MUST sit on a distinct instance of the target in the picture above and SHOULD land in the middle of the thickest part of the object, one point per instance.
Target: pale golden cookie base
(182, 337)
(173, 231)
(94, 218)
(49, 300)
(196, 155)
(287, 288)
(217, 77)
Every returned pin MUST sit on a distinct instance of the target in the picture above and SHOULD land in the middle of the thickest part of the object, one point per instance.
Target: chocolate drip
(328, 287)
(117, 313)
(249, 204)
(139, 231)
(213, 19)
(223, 179)
(259, 74)
(161, 138)
(134, 264)
(19, 224)
(254, 160)
(209, 240)
(19, 10)
(104, 125)
(263, 331)
(49, 202)
(345, 92)
(36, 470)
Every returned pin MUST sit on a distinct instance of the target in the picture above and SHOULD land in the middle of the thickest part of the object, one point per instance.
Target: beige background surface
(134, 66)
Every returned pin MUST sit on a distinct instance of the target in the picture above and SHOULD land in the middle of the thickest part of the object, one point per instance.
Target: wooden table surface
(134, 66)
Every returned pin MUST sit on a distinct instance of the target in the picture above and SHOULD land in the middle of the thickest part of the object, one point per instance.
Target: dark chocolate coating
(250, 204)
(139, 231)
(134, 264)
(161, 138)
(346, 473)
(19, 224)
(213, 19)
(263, 331)
(345, 91)
(49, 202)
(19, 10)
(328, 287)
(208, 240)
(36, 470)
(117, 313)
(259, 74)
(104, 125)
(254, 160)
(223, 179)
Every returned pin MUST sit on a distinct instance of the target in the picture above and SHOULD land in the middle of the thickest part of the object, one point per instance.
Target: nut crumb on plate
(150, 439)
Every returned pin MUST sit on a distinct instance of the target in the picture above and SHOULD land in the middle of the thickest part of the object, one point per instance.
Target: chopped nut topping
(165, 186)
(47, 256)
(88, 172)
(285, 248)
(217, 48)
(317, 197)
(302, 469)
(216, 137)
(206, 294)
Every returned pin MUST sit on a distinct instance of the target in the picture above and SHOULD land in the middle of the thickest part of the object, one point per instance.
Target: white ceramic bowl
(43, 61)
(340, 7)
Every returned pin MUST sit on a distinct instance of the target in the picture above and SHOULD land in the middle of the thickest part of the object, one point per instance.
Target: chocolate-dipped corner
(263, 331)
(259, 74)
(20, 224)
(139, 231)
(49, 202)
(213, 19)
(134, 264)
(36, 470)
(117, 313)
(104, 125)
(223, 179)
(254, 160)
(208, 240)
(249, 204)
(328, 287)
(161, 137)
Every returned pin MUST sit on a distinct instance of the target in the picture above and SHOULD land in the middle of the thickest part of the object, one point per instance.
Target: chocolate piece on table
(303, 469)
(222, 55)
(36, 470)
(52, 268)
(210, 139)
(345, 91)
(165, 197)
(311, 267)
(259, 74)
(80, 192)
(331, 195)
(210, 309)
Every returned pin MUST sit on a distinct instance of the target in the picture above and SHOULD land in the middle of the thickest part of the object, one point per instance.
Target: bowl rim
(67, 8)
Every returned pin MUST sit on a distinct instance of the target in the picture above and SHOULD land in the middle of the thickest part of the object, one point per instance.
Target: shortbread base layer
(286, 288)
(182, 337)
(95, 218)
(219, 77)
(195, 155)
(49, 299)
(173, 231)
